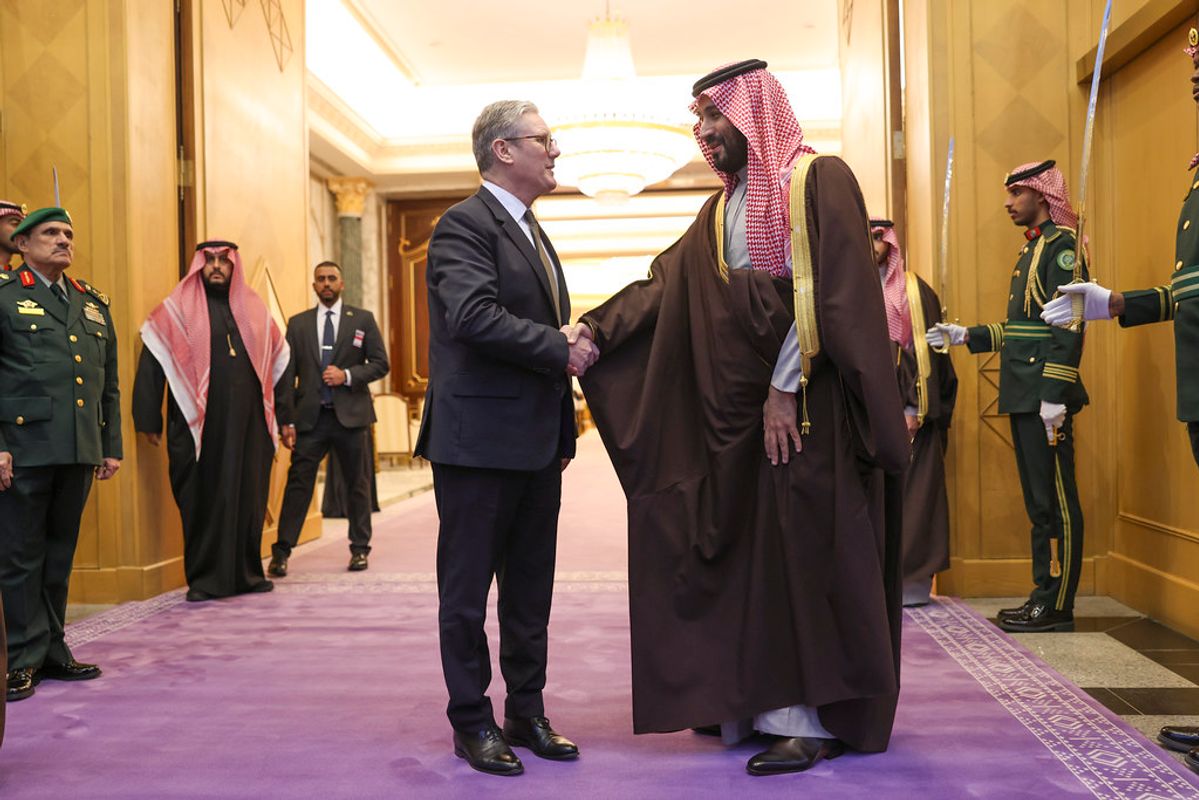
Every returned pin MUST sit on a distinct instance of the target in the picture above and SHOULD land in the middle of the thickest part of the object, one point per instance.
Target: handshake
(583, 352)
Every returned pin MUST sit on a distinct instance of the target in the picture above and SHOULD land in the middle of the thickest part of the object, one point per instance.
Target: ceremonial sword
(57, 199)
(943, 266)
(1077, 301)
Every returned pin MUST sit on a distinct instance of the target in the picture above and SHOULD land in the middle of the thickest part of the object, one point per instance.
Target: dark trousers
(39, 527)
(501, 523)
(311, 446)
(1051, 499)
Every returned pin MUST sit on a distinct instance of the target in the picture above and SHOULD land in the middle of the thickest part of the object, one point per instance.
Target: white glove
(1095, 304)
(943, 332)
(1053, 415)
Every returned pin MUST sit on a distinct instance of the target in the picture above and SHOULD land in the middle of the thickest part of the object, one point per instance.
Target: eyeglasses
(544, 139)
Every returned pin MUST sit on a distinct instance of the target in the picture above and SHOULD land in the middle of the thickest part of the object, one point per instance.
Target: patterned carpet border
(126, 614)
(1103, 754)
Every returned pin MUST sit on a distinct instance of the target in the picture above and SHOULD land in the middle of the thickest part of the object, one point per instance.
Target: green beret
(35, 218)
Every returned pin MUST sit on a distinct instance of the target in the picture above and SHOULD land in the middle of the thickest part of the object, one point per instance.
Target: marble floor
(1138, 668)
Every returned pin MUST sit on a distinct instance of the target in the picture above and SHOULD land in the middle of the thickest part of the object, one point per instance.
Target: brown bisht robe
(754, 587)
(925, 502)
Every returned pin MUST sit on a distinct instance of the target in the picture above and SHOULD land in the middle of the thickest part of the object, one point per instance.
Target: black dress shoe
(1191, 759)
(486, 751)
(707, 730)
(357, 562)
(197, 596)
(19, 684)
(1182, 738)
(262, 586)
(1040, 618)
(794, 754)
(67, 671)
(536, 734)
(278, 567)
(1018, 611)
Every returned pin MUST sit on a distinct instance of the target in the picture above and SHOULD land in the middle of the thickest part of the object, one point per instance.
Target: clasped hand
(583, 352)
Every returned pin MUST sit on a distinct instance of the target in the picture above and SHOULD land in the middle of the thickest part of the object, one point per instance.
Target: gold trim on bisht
(723, 265)
(802, 279)
(919, 344)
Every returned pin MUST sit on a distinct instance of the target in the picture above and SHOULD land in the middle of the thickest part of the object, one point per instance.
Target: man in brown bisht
(929, 387)
(763, 587)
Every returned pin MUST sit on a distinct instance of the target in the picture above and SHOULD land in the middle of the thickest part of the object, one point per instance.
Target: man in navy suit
(499, 429)
(324, 402)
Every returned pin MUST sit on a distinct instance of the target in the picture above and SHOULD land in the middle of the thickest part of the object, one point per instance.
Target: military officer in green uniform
(1040, 390)
(60, 427)
(1169, 301)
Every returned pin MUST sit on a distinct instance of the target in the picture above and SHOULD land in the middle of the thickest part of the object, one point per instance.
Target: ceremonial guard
(1170, 301)
(60, 427)
(11, 215)
(1040, 388)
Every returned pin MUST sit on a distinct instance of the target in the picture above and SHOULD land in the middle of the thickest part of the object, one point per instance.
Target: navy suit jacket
(498, 394)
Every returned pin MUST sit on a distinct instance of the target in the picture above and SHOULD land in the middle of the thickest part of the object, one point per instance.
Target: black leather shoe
(357, 562)
(707, 730)
(1191, 759)
(1018, 611)
(1040, 618)
(1179, 737)
(197, 596)
(486, 751)
(795, 754)
(68, 671)
(278, 567)
(536, 734)
(19, 684)
(262, 586)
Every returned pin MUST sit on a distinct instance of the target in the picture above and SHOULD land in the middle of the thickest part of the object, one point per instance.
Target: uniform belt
(1184, 284)
(1026, 330)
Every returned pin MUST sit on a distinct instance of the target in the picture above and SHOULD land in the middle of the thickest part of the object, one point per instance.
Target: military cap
(215, 243)
(1012, 177)
(725, 73)
(42, 215)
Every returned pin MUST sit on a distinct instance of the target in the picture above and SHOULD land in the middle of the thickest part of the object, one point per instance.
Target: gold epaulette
(99, 295)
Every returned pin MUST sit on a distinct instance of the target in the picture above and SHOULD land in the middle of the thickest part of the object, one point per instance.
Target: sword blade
(943, 264)
(57, 199)
(1089, 129)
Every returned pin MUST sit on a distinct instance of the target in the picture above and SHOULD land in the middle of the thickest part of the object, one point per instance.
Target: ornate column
(351, 199)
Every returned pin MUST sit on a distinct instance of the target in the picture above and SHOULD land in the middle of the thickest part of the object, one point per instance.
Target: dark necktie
(327, 358)
(59, 293)
(546, 264)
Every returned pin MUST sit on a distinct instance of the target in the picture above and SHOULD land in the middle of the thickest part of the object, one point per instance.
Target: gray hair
(498, 120)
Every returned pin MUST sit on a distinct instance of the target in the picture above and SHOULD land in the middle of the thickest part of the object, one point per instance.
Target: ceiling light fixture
(617, 146)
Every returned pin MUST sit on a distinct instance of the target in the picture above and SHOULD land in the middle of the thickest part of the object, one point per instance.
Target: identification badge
(30, 307)
(358, 337)
(92, 312)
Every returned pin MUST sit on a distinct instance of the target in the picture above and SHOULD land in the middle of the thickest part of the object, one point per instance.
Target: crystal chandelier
(616, 147)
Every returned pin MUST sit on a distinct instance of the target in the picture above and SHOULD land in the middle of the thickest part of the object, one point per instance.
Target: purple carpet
(330, 687)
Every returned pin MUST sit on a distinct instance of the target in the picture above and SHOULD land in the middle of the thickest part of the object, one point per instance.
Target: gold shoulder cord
(919, 344)
(802, 279)
(723, 265)
(1034, 292)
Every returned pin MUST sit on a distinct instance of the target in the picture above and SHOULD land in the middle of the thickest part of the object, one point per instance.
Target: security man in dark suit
(60, 427)
(499, 428)
(1041, 391)
(324, 403)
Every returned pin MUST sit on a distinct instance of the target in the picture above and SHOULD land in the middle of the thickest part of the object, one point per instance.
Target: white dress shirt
(516, 209)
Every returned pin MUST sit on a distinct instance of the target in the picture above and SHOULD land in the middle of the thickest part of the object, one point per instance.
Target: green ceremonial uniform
(59, 418)
(1040, 363)
(1174, 301)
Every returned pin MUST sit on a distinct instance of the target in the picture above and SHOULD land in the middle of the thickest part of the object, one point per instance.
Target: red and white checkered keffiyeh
(11, 209)
(756, 103)
(178, 333)
(1052, 184)
(895, 293)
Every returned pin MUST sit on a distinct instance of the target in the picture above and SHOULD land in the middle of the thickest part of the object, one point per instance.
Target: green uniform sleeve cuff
(1146, 306)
